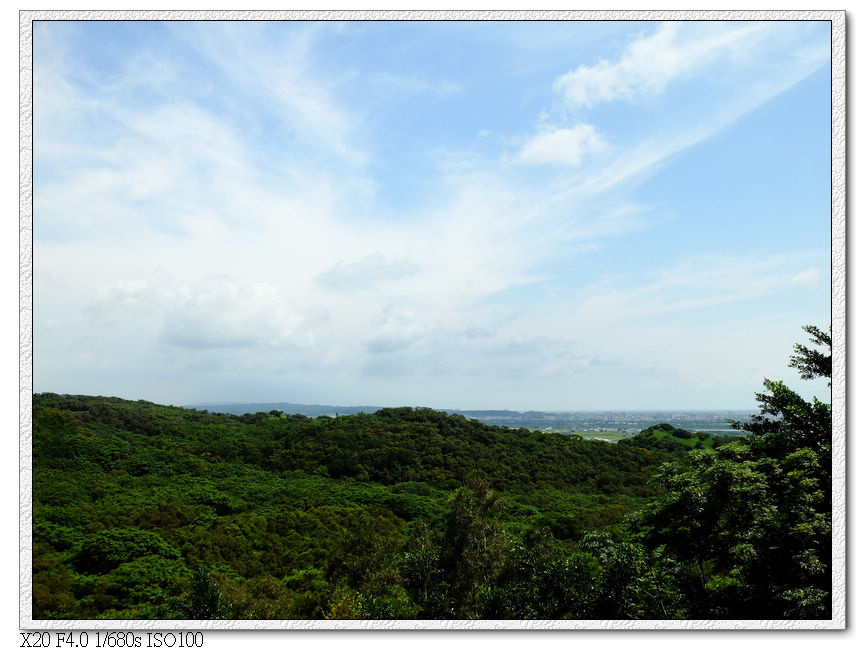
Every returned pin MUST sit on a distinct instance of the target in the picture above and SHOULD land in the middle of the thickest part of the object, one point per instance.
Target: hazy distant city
(622, 422)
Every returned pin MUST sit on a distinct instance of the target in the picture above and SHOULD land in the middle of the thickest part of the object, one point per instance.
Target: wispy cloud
(563, 146)
(365, 274)
(806, 279)
(272, 71)
(650, 63)
(415, 84)
(694, 284)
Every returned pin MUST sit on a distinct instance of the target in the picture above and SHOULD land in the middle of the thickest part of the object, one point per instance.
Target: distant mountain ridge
(310, 410)
(623, 421)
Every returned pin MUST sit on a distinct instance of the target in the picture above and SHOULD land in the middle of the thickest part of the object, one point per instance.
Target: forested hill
(150, 511)
(393, 445)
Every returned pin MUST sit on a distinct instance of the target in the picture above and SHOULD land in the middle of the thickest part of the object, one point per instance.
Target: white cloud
(806, 279)
(365, 274)
(562, 146)
(650, 63)
(416, 84)
(695, 284)
(396, 329)
(226, 314)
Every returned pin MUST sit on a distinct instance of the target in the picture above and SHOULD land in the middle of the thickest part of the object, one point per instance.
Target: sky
(545, 215)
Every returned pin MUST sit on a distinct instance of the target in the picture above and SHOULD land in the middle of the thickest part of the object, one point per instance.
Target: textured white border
(25, 320)
(839, 318)
(839, 340)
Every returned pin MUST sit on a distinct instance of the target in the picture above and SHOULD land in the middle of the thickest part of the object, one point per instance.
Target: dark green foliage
(747, 530)
(205, 600)
(148, 579)
(813, 363)
(106, 550)
(540, 579)
(473, 547)
(626, 586)
(362, 516)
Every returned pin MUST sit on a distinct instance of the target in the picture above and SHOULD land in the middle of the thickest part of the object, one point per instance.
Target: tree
(786, 420)
(473, 548)
(205, 597)
(813, 363)
(749, 528)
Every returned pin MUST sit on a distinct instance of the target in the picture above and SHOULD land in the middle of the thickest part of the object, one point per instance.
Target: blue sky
(548, 215)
